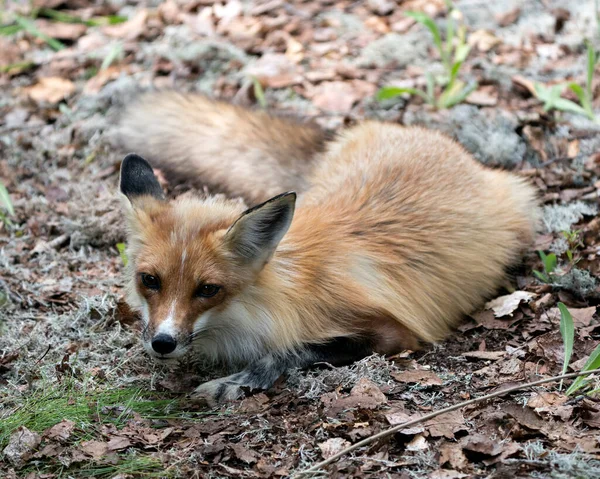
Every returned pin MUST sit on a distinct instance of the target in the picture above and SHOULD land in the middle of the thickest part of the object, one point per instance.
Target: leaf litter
(77, 394)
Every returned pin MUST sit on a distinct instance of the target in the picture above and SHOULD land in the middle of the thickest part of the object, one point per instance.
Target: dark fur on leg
(263, 373)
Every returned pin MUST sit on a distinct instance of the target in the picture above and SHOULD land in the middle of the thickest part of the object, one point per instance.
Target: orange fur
(399, 234)
(211, 143)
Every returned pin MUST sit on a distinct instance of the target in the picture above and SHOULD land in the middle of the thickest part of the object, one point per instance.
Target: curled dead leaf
(50, 90)
(332, 446)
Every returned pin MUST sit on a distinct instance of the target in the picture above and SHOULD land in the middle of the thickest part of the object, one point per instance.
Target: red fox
(395, 235)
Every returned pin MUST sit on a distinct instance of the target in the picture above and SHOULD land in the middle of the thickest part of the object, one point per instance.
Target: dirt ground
(78, 396)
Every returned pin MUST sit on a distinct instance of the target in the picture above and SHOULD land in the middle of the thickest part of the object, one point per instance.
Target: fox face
(191, 260)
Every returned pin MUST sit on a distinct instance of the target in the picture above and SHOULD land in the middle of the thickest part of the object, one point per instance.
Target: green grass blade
(567, 331)
(457, 94)
(593, 362)
(591, 65)
(550, 263)
(544, 278)
(115, 52)
(8, 30)
(450, 32)
(5, 201)
(582, 97)
(563, 104)
(428, 22)
(58, 16)
(462, 52)
(259, 93)
(123, 253)
(430, 88)
(389, 92)
(30, 27)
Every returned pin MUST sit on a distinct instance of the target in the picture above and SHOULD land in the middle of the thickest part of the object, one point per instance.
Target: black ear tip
(134, 162)
(137, 178)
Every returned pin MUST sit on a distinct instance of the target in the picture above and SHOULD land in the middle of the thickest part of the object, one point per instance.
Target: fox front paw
(219, 391)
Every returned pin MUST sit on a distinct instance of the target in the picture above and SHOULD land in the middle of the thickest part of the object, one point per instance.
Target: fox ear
(256, 234)
(137, 179)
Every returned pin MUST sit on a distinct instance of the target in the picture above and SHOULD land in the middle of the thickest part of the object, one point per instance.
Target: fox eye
(151, 282)
(207, 290)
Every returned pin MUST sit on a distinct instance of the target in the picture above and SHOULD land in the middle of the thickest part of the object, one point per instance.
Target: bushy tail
(211, 143)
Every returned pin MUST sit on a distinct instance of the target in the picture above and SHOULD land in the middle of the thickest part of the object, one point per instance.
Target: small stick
(388, 432)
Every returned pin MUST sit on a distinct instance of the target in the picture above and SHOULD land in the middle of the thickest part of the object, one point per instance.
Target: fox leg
(263, 373)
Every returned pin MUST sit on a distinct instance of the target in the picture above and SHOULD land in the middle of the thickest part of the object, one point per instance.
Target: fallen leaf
(117, 443)
(446, 425)
(335, 96)
(482, 444)
(61, 431)
(483, 96)
(244, 454)
(488, 320)
(491, 355)
(582, 317)
(452, 453)
(509, 17)
(508, 304)
(446, 474)
(420, 376)
(332, 446)
(50, 89)
(60, 30)
(96, 449)
(21, 445)
(401, 417)
(131, 29)
(418, 443)
(483, 40)
(274, 70)
(365, 395)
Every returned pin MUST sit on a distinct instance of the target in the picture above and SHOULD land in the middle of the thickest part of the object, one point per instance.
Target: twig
(388, 432)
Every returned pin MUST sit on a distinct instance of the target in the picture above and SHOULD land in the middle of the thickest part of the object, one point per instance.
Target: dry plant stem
(388, 432)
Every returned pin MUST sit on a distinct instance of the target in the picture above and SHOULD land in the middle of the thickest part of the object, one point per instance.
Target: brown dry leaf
(509, 17)
(96, 449)
(21, 445)
(418, 443)
(118, 442)
(364, 395)
(482, 444)
(381, 7)
(131, 29)
(244, 454)
(484, 96)
(452, 453)
(483, 40)
(420, 376)
(506, 305)
(490, 355)
(61, 31)
(274, 70)
(61, 431)
(524, 83)
(332, 446)
(446, 474)
(446, 425)
(582, 317)
(524, 416)
(400, 417)
(551, 404)
(488, 320)
(50, 90)
(335, 96)
(95, 84)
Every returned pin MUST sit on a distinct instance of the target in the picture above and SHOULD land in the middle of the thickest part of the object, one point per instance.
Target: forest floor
(78, 396)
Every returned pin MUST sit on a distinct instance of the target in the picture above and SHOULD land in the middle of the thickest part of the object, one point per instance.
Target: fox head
(190, 259)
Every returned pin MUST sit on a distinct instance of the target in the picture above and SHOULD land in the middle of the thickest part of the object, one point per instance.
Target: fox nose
(164, 344)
